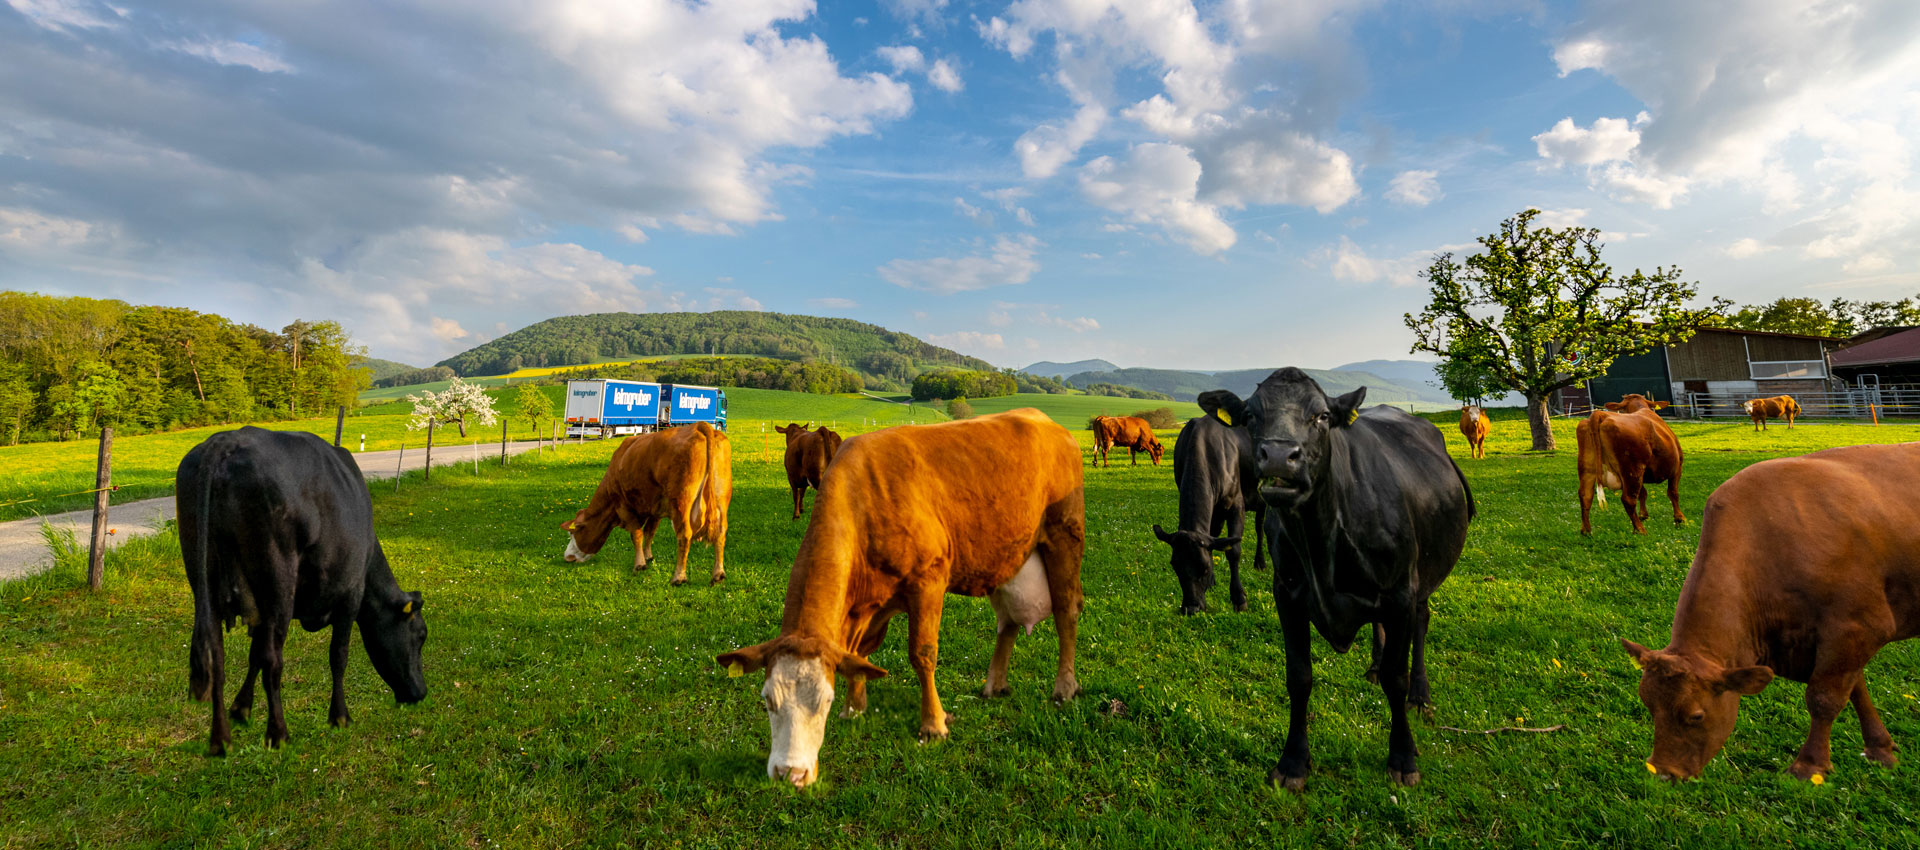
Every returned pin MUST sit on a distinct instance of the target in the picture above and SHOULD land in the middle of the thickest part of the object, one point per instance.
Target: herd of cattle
(1806, 566)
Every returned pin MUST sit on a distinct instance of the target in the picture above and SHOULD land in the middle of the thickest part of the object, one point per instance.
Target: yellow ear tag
(1354, 417)
(1651, 768)
(407, 608)
(735, 671)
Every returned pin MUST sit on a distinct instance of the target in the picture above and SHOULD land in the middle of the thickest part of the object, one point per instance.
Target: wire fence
(1868, 403)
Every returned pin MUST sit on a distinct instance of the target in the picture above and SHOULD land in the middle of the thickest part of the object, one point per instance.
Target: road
(24, 552)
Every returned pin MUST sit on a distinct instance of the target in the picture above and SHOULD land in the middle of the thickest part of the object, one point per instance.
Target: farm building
(1881, 357)
(1712, 373)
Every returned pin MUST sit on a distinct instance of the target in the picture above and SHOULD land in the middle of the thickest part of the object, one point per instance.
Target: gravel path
(23, 551)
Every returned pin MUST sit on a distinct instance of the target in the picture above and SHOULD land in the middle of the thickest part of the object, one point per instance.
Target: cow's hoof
(1883, 756)
(1408, 778)
(678, 580)
(1425, 709)
(1064, 692)
(274, 743)
(217, 749)
(1240, 607)
(991, 692)
(1815, 773)
(1190, 610)
(340, 722)
(929, 734)
(717, 578)
(850, 713)
(1296, 784)
(1373, 675)
(240, 715)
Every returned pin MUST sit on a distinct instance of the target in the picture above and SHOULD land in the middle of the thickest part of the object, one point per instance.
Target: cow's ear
(744, 660)
(1221, 543)
(1612, 405)
(1215, 402)
(856, 668)
(1745, 680)
(411, 604)
(1638, 652)
(1162, 534)
(1346, 408)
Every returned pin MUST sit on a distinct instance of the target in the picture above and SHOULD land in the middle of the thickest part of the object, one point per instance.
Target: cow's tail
(707, 503)
(206, 627)
(1473, 510)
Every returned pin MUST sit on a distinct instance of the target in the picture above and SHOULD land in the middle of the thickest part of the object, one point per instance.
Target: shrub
(1160, 418)
(959, 409)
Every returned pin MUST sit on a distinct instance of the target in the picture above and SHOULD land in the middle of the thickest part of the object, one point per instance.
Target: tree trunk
(1540, 421)
(463, 426)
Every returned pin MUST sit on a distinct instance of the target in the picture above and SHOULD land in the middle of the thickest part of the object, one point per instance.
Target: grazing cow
(274, 526)
(1213, 468)
(991, 506)
(1475, 426)
(1778, 407)
(688, 471)
(1128, 432)
(808, 453)
(1625, 447)
(1366, 516)
(1807, 566)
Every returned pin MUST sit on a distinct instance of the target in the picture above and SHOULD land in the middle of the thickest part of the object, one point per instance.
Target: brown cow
(991, 506)
(1625, 447)
(808, 453)
(688, 471)
(1807, 566)
(1129, 432)
(1475, 426)
(1778, 407)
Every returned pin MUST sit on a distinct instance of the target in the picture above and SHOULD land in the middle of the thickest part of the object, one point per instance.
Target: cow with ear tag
(1213, 468)
(1366, 515)
(991, 506)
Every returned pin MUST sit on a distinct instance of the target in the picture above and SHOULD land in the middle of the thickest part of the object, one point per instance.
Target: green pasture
(578, 705)
(143, 466)
(1073, 411)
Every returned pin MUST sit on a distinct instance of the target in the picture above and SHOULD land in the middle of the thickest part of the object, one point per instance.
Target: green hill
(885, 358)
(1186, 386)
(382, 369)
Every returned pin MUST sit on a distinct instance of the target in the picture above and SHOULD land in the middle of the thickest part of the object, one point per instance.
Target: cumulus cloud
(1010, 261)
(944, 76)
(903, 58)
(1414, 188)
(1044, 149)
(1607, 140)
(965, 341)
(1157, 184)
(972, 213)
(1748, 247)
(834, 303)
(1349, 262)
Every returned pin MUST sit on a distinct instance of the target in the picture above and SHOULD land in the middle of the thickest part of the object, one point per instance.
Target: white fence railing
(1851, 403)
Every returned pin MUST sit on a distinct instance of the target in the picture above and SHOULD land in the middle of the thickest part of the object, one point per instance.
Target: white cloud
(999, 318)
(1044, 149)
(834, 303)
(1020, 214)
(1350, 262)
(1156, 185)
(965, 341)
(1607, 140)
(227, 52)
(1415, 188)
(945, 77)
(1748, 247)
(1561, 218)
(28, 230)
(972, 213)
(903, 58)
(448, 330)
(1629, 183)
(720, 298)
(1078, 324)
(1010, 261)
(60, 15)
(1007, 198)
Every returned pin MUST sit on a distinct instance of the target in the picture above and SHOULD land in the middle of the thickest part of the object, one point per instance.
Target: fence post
(339, 425)
(102, 479)
(476, 453)
(399, 466)
(428, 469)
(503, 442)
(1874, 409)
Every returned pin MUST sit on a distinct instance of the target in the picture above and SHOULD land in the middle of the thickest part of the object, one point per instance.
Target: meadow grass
(578, 704)
(1073, 411)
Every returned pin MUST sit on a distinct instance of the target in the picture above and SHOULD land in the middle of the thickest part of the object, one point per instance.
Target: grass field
(143, 466)
(579, 704)
(1073, 411)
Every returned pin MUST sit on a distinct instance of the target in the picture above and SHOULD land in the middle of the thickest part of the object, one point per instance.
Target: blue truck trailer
(614, 408)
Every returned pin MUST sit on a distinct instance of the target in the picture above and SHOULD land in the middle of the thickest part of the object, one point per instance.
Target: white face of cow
(799, 694)
(574, 555)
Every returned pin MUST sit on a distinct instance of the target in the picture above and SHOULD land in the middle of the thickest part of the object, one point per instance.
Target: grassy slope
(578, 704)
(1073, 411)
(144, 466)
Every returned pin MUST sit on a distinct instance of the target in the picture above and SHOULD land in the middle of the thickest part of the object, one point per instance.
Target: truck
(615, 408)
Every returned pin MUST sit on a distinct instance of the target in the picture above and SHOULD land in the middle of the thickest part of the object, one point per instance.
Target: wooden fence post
(102, 479)
(339, 425)
(476, 453)
(428, 469)
(399, 466)
(503, 442)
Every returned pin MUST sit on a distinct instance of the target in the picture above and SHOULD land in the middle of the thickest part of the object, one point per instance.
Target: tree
(16, 401)
(460, 403)
(959, 409)
(1792, 316)
(1465, 379)
(1539, 310)
(534, 405)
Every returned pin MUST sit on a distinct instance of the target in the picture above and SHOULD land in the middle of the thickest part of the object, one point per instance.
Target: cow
(1213, 469)
(808, 453)
(1778, 407)
(1475, 426)
(1625, 447)
(277, 526)
(1366, 516)
(990, 506)
(687, 472)
(1807, 566)
(1129, 432)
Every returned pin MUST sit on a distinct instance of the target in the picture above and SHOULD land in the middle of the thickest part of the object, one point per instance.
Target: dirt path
(23, 549)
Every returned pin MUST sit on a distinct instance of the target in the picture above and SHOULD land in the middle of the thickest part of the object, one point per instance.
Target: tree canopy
(1537, 309)
(1839, 318)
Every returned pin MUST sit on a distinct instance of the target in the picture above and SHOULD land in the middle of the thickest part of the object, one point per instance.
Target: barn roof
(1902, 347)
(1744, 332)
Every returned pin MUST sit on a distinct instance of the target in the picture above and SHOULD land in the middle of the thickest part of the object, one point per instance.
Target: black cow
(1368, 516)
(277, 525)
(1214, 468)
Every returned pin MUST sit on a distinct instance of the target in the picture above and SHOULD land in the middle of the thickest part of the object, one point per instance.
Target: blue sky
(1155, 182)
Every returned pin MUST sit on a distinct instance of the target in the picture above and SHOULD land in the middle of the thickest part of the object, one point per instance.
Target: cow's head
(1470, 413)
(1154, 449)
(1694, 703)
(1193, 563)
(798, 695)
(1634, 403)
(1291, 421)
(394, 632)
(585, 536)
(792, 430)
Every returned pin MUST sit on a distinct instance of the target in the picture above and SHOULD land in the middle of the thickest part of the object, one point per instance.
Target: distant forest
(884, 358)
(762, 373)
(71, 365)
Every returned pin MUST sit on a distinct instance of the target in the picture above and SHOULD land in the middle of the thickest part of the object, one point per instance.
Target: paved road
(23, 551)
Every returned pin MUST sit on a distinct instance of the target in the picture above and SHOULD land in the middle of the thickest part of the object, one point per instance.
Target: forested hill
(1184, 386)
(874, 351)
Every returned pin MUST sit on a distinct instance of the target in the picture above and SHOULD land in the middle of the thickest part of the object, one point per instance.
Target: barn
(1713, 373)
(1881, 357)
